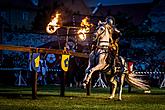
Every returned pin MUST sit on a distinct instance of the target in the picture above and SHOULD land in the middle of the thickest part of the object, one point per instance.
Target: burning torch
(85, 28)
(54, 24)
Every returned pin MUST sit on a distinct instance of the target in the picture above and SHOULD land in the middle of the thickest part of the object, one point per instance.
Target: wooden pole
(34, 85)
(62, 91)
(88, 86)
(40, 50)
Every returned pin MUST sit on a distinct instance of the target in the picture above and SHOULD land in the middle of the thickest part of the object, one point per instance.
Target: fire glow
(54, 24)
(85, 28)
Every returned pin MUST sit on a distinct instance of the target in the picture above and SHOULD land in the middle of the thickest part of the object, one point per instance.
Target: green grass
(19, 98)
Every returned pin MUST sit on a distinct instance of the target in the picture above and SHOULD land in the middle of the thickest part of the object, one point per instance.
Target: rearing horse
(101, 59)
(100, 52)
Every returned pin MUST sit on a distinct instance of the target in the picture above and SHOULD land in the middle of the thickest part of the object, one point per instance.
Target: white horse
(101, 59)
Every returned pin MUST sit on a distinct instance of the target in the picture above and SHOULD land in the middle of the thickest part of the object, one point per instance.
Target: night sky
(93, 3)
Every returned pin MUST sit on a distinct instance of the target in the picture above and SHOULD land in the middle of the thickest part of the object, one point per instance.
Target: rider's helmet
(110, 20)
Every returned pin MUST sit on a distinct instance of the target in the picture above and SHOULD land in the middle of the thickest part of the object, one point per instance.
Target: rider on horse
(104, 57)
(114, 40)
(103, 41)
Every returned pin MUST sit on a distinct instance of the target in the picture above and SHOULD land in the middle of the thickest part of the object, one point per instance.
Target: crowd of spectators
(14, 60)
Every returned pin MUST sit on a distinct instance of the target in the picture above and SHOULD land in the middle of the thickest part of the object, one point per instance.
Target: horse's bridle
(98, 36)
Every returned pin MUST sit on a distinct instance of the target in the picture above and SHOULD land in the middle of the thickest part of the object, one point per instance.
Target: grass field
(19, 98)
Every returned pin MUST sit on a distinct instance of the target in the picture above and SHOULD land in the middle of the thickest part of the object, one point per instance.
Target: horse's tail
(136, 82)
(132, 79)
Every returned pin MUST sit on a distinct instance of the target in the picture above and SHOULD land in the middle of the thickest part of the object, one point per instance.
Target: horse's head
(100, 30)
(103, 31)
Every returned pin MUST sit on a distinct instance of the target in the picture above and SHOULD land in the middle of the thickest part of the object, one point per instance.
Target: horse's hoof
(83, 86)
(119, 100)
(111, 97)
(147, 92)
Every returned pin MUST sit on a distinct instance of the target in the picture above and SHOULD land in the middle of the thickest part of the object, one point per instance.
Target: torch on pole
(51, 28)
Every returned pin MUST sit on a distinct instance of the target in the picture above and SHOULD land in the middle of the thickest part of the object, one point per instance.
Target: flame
(85, 28)
(54, 24)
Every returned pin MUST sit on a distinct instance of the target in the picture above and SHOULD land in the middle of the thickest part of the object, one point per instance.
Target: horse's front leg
(85, 82)
(87, 71)
(100, 66)
(121, 86)
(114, 86)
